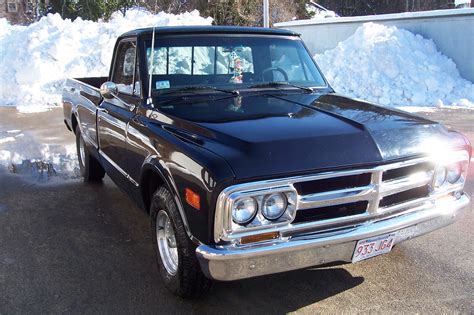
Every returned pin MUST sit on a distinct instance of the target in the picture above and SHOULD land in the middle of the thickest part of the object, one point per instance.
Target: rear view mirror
(108, 90)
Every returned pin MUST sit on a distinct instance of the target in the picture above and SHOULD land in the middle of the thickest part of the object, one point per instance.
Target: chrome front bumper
(228, 263)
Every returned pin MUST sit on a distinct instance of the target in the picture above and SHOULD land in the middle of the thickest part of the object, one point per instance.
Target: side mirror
(108, 90)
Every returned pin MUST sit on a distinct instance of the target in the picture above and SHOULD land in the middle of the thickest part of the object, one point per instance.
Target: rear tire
(91, 170)
(175, 253)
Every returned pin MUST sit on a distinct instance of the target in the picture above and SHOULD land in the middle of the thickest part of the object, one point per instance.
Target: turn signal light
(193, 199)
(259, 237)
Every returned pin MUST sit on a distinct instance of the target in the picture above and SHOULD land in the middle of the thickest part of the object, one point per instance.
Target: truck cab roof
(177, 30)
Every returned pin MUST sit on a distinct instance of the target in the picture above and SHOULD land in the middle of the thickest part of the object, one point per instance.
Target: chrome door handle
(100, 109)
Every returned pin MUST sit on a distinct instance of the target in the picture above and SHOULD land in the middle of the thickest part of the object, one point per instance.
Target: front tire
(175, 253)
(91, 170)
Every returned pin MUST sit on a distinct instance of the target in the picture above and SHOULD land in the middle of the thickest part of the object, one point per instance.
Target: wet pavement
(66, 246)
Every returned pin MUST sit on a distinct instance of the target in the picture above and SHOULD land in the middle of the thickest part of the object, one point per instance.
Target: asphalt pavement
(70, 247)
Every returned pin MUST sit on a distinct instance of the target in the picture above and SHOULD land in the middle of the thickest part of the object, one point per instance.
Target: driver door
(114, 114)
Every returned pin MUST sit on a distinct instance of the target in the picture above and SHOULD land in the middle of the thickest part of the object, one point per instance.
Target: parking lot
(70, 247)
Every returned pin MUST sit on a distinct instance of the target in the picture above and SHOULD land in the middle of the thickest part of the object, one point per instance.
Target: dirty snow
(43, 162)
(36, 59)
(8, 158)
(7, 139)
(318, 13)
(394, 67)
(30, 155)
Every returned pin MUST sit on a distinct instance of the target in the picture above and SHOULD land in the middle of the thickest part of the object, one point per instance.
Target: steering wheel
(278, 69)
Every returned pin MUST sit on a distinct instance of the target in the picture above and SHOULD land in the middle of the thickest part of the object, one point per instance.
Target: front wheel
(175, 253)
(91, 170)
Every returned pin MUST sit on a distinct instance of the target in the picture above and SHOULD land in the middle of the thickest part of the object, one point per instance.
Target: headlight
(274, 206)
(440, 176)
(454, 172)
(451, 169)
(244, 210)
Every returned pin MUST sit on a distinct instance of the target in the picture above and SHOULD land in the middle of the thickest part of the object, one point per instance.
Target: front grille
(335, 183)
(407, 170)
(405, 196)
(355, 195)
(331, 201)
(331, 212)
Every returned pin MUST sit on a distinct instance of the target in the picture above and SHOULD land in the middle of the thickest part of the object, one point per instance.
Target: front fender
(153, 167)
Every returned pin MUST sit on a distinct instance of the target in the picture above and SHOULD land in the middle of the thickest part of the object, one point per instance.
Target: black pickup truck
(249, 163)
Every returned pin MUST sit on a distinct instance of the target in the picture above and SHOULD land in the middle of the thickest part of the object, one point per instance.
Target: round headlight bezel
(267, 198)
(440, 170)
(459, 170)
(252, 215)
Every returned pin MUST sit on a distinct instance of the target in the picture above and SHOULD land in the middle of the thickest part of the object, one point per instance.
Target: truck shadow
(280, 293)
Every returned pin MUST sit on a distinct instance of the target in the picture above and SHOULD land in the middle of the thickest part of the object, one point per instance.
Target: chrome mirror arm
(109, 90)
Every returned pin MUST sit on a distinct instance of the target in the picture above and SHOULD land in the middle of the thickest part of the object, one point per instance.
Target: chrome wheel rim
(82, 151)
(166, 241)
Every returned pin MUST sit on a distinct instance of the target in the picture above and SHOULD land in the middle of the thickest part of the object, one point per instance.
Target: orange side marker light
(193, 198)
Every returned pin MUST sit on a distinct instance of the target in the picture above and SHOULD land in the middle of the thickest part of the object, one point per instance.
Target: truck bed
(83, 91)
(93, 81)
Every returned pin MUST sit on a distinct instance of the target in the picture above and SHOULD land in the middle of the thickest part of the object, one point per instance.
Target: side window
(136, 82)
(124, 74)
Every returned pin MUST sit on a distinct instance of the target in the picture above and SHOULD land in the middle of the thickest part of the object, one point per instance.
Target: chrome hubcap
(166, 240)
(82, 151)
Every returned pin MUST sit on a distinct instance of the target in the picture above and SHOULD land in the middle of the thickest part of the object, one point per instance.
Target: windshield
(231, 62)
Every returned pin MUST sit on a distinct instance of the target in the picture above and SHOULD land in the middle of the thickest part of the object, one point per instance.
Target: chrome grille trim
(405, 183)
(336, 197)
(372, 193)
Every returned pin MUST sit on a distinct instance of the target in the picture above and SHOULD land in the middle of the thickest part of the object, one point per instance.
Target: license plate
(373, 246)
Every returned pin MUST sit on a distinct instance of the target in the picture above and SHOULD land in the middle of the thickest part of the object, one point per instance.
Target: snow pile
(394, 67)
(4, 27)
(35, 60)
(317, 13)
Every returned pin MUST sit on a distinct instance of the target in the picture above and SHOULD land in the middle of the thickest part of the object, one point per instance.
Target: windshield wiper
(194, 88)
(276, 84)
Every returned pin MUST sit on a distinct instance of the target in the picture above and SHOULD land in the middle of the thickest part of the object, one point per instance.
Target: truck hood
(271, 135)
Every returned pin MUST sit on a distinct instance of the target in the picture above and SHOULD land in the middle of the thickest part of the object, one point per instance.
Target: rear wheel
(176, 254)
(91, 170)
